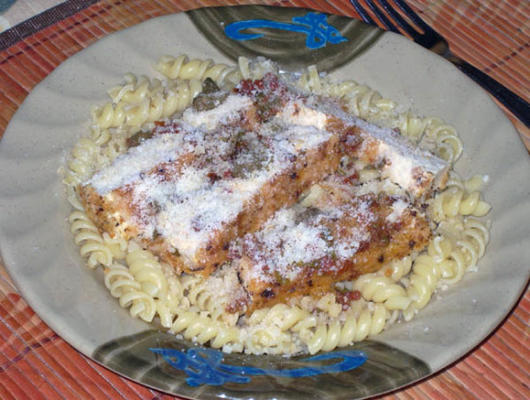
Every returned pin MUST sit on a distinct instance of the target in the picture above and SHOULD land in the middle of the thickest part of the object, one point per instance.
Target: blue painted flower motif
(205, 366)
(314, 25)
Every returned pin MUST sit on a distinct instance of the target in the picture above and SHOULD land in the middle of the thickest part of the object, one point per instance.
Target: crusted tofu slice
(108, 197)
(305, 250)
(111, 198)
(187, 196)
(415, 170)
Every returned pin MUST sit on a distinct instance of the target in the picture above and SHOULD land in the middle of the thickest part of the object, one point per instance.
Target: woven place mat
(35, 363)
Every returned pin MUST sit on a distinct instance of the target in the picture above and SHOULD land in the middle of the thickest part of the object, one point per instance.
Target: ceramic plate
(39, 253)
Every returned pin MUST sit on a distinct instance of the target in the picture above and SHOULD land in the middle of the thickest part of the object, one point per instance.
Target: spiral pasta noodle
(369, 104)
(361, 100)
(356, 327)
(280, 315)
(410, 126)
(381, 289)
(79, 166)
(147, 271)
(119, 280)
(123, 286)
(269, 329)
(182, 68)
(91, 244)
(475, 237)
(174, 300)
(422, 284)
(110, 115)
(116, 245)
(396, 269)
(442, 139)
(460, 198)
(141, 101)
(454, 201)
(201, 329)
(199, 294)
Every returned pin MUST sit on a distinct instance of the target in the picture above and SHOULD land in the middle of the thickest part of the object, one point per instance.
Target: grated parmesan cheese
(397, 209)
(228, 110)
(293, 239)
(296, 113)
(140, 159)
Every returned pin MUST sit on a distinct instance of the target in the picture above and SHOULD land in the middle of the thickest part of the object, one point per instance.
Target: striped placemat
(35, 363)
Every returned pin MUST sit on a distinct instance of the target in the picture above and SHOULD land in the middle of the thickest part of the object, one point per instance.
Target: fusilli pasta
(358, 325)
(122, 285)
(87, 237)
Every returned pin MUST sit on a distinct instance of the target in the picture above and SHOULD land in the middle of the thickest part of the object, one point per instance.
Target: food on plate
(187, 192)
(268, 213)
(304, 250)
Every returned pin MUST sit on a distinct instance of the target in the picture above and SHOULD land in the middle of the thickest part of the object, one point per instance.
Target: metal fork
(430, 39)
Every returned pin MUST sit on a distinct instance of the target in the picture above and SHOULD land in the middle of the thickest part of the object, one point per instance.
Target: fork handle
(519, 107)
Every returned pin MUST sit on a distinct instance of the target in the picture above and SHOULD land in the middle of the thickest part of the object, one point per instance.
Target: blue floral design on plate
(326, 375)
(205, 366)
(319, 32)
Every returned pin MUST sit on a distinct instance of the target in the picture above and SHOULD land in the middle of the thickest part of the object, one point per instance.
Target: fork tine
(409, 12)
(362, 12)
(403, 24)
(429, 37)
(381, 16)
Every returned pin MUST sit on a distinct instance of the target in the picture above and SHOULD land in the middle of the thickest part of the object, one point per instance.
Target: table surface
(36, 363)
